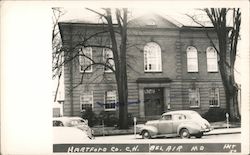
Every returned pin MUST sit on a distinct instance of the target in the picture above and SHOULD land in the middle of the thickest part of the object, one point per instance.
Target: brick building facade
(170, 67)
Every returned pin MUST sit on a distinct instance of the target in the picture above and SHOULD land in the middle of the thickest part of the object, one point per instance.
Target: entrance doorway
(153, 101)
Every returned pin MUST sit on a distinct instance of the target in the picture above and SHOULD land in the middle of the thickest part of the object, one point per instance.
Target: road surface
(223, 138)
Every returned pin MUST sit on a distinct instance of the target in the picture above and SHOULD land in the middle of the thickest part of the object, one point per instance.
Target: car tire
(184, 133)
(199, 135)
(146, 135)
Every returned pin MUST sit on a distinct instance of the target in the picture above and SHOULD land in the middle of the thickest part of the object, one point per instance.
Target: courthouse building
(171, 66)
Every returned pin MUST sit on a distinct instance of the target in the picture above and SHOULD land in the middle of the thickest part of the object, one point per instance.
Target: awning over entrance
(153, 80)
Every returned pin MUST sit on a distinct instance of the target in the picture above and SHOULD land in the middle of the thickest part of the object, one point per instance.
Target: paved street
(224, 138)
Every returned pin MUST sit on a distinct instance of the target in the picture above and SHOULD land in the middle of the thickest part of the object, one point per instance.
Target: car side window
(179, 117)
(57, 123)
(167, 117)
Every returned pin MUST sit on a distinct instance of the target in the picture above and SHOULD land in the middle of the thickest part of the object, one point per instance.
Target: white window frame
(212, 59)
(217, 93)
(192, 59)
(153, 59)
(82, 50)
(105, 98)
(111, 62)
(83, 95)
(197, 91)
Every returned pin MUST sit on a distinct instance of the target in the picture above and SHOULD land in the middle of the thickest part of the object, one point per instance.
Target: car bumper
(207, 129)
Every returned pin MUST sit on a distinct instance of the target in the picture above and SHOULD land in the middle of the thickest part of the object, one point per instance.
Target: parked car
(183, 123)
(77, 122)
(66, 135)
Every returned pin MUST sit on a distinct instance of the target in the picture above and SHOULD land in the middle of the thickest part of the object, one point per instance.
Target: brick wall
(173, 43)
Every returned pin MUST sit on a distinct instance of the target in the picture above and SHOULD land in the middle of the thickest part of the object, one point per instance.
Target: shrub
(110, 118)
(90, 116)
(215, 115)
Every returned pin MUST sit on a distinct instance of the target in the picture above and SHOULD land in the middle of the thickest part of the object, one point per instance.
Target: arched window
(152, 57)
(192, 59)
(85, 56)
(212, 65)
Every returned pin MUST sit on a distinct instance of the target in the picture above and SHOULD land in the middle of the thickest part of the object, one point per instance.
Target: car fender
(151, 129)
(192, 127)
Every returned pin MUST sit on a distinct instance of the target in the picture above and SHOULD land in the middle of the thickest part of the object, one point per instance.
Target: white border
(26, 68)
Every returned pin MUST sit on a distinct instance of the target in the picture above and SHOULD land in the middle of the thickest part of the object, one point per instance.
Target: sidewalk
(219, 128)
(221, 131)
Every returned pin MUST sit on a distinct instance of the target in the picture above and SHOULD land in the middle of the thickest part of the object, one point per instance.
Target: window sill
(194, 107)
(213, 106)
(108, 71)
(109, 109)
(85, 72)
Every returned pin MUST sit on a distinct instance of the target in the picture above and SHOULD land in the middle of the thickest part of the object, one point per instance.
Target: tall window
(86, 101)
(194, 98)
(214, 97)
(152, 58)
(108, 59)
(84, 61)
(212, 65)
(110, 100)
(192, 59)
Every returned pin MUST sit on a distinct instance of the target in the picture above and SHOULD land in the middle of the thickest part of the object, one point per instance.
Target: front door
(166, 125)
(153, 100)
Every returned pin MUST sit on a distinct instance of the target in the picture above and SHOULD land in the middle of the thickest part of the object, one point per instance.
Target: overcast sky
(84, 15)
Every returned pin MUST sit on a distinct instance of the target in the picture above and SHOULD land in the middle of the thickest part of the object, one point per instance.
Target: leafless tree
(116, 32)
(57, 54)
(228, 36)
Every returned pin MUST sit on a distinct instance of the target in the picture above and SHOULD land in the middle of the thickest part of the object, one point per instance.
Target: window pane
(194, 97)
(192, 59)
(86, 101)
(152, 57)
(108, 59)
(110, 100)
(212, 65)
(214, 97)
(84, 61)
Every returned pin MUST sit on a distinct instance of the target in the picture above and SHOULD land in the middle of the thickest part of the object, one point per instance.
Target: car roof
(179, 112)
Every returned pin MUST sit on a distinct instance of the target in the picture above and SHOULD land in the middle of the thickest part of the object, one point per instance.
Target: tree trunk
(230, 92)
(123, 102)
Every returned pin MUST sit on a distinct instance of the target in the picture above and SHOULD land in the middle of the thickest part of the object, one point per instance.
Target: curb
(228, 133)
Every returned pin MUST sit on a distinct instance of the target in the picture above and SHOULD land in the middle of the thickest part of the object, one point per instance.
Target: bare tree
(228, 35)
(57, 54)
(119, 57)
(116, 32)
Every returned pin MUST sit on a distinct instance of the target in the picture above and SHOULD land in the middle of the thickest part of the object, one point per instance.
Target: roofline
(105, 24)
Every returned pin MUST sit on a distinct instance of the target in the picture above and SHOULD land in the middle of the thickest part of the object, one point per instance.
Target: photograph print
(137, 81)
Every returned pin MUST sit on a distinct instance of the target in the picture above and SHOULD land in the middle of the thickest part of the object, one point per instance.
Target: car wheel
(199, 135)
(184, 133)
(146, 135)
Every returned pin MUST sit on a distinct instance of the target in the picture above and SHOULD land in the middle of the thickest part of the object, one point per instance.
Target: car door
(165, 125)
(177, 120)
